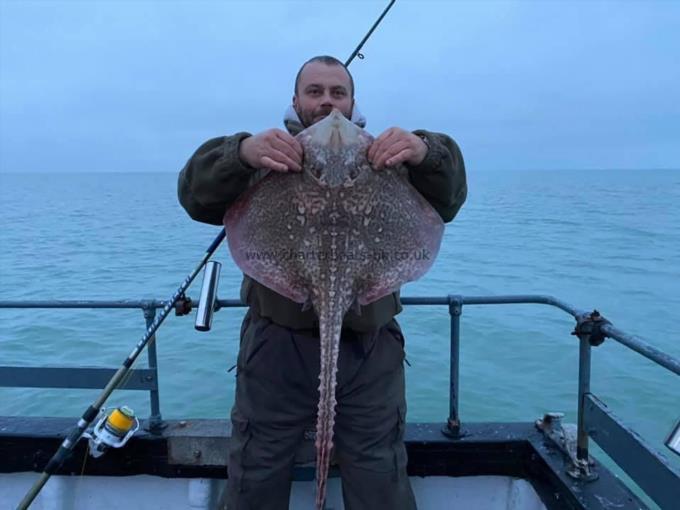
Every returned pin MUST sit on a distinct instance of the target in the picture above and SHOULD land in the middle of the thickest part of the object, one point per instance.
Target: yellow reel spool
(121, 419)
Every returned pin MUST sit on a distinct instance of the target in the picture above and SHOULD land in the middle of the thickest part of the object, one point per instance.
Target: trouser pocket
(376, 478)
(254, 337)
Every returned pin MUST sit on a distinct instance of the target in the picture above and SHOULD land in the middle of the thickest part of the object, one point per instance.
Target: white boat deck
(146, 492)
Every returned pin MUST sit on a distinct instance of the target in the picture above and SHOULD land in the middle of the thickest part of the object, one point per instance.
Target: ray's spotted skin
(335, 236)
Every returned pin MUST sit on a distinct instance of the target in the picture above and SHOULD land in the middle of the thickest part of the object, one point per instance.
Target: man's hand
(396, 146)
(273, 149)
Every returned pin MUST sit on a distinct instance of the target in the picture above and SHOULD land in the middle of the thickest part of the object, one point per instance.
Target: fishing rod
(93, 411)
(66, 447)
(368, 34)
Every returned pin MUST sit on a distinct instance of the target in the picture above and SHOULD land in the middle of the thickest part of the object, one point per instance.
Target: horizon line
(62, 172)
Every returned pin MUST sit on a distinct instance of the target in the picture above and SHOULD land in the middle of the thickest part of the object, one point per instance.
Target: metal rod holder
(206, 303)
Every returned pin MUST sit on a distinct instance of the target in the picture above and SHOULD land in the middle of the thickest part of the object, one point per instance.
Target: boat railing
(647, 467)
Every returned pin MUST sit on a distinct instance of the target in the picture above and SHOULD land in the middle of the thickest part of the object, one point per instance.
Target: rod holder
(206, 303)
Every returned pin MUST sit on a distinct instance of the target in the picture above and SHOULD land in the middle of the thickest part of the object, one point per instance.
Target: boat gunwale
(198, 449)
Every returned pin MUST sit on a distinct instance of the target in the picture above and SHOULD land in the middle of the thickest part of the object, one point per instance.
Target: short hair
(329, 61)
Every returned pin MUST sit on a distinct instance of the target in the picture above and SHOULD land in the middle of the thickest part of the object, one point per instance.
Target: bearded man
(278, 362)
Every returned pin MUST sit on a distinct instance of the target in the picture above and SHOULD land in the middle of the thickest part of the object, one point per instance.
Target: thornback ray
(336, 235)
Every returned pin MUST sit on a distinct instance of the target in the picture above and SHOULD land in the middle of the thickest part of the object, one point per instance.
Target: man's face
(322, 88)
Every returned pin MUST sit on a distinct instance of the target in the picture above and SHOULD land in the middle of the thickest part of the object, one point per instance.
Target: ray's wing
(264, 233)
(401, 234)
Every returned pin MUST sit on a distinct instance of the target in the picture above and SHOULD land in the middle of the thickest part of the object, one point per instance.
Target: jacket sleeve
(440, 177)
(213, 179)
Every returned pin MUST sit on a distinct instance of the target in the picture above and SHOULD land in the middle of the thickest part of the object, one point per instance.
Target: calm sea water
(604, 239)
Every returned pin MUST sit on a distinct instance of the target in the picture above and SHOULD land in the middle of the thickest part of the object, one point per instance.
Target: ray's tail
(330, 325)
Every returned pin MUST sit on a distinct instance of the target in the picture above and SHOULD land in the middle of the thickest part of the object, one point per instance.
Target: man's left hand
(396, 146)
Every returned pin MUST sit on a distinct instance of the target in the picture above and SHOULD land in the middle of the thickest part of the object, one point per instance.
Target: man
(278, 361)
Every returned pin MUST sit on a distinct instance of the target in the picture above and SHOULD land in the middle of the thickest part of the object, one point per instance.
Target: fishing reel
(112, 430)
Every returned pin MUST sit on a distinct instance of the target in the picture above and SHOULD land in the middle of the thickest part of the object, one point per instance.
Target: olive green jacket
(214, 178)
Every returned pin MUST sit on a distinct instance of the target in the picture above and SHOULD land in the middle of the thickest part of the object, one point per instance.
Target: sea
(601, 239)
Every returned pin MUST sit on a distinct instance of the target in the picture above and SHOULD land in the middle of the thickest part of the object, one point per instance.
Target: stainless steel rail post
(155, 420)
(453, 423)
(582, 468)
(583, 389)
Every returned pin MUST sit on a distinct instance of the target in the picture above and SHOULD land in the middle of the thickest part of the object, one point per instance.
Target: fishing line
(123, 373)
(87, 450)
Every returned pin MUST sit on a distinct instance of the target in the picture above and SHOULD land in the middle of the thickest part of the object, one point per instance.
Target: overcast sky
(137, 86)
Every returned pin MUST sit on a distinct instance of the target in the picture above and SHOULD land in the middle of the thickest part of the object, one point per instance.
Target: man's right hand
(273, 149)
